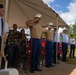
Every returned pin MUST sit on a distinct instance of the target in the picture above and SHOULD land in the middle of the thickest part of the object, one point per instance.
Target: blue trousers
(55, 52)
(64, 51)
(0, 42)
(35, 53)
(13, 55)
(72, 50)
(49, 53)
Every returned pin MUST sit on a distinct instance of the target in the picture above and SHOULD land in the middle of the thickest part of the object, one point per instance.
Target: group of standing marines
(36, 33)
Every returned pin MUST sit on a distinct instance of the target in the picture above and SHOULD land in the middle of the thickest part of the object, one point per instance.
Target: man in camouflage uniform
(13, 45)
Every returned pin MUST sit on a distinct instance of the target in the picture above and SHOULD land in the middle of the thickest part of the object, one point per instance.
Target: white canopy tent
(20, 11)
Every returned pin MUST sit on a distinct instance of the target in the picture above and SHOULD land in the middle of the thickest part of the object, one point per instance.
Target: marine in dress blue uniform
(36, 32)
(49, 46)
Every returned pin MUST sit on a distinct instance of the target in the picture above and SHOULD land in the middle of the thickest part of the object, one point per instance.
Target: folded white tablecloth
(9, 71)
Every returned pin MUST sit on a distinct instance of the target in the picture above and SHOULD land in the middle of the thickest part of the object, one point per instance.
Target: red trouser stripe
(31, 51)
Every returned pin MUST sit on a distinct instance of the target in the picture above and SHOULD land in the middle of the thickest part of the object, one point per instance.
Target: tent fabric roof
(22, 10)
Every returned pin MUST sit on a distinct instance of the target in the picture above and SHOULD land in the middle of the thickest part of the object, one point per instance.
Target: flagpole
(3, 40)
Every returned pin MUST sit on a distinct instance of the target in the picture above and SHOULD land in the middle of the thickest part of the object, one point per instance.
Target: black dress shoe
(56, 62)
(52, 65)
(31, 71)
(64, 60)
(47, 66)
(38, 69)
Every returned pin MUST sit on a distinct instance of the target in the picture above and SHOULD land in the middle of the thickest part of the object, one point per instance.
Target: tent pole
(57, 43)
(2, 44)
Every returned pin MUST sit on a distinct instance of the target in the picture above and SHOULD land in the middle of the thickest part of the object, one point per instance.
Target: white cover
(38, 15)
(64, 29)
(50, 24)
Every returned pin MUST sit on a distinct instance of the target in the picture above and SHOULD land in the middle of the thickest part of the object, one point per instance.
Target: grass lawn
(71, 60)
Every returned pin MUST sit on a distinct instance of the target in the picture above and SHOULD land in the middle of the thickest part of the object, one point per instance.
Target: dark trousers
(72, 50)
(64, 51)
(13, 56)
(2, 61)
(55, 52)
(35, 53)
(0, 43)
(49, 53)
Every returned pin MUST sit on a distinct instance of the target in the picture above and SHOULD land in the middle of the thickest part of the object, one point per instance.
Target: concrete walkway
(59, 69)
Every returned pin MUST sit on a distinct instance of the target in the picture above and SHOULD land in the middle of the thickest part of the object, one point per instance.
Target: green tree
(70, 30)
(74, 30)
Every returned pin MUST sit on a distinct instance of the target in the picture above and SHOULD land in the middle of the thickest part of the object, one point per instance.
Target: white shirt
(72, 41)
(65, 38)
(57, 38)
(5, 27)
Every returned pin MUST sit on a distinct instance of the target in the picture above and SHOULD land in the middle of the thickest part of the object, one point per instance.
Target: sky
(65, 8)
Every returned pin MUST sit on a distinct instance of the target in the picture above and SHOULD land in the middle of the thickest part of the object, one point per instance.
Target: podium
(9, 71)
